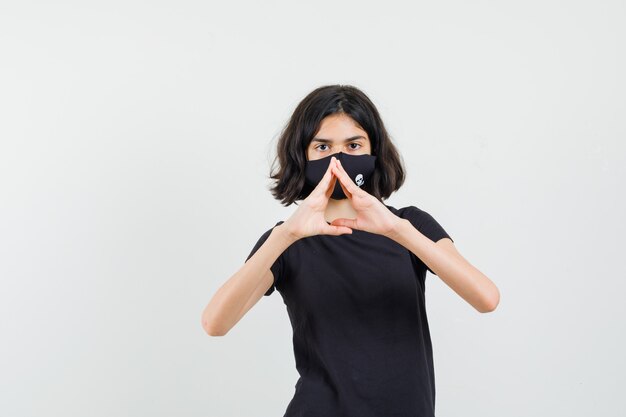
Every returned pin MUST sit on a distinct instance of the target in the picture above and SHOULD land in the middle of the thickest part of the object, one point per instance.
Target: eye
(318, 146)
(357, 144)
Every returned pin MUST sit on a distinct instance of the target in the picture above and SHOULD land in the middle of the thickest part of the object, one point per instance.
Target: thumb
(336, 230)
(351, 223)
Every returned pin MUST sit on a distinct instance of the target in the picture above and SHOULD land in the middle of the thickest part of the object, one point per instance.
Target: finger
(351, 223)
(344, 178)
(324, 182)
(336, 230)
(331, 187)
(346, 192)
(348, 186)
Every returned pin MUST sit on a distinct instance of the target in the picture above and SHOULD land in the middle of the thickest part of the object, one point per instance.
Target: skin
(360, 211)
(334, 136)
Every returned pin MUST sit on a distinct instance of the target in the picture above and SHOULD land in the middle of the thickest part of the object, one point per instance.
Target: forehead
(339, 127)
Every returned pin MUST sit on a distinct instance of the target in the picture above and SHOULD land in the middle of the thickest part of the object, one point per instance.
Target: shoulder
(268, 231)
(262, 239)
(277, 223)
(418, 217)
(408, 212)
(266, 234)
(422, 221)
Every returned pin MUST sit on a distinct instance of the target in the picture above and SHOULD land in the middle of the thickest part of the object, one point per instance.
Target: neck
(339, 209)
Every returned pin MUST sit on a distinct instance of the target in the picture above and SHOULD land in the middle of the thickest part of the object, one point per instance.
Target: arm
(246, 286)
(443, 258)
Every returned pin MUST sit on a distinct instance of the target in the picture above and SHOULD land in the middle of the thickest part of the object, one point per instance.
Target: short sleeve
(426, 224)
(277, 267)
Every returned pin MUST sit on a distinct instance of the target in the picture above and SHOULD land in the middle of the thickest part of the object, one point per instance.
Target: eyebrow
(345, 140)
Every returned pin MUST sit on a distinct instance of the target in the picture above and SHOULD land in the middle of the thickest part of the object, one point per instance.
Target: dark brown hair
(290, 184)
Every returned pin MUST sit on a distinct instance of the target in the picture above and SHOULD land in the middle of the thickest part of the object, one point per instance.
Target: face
(338, 132)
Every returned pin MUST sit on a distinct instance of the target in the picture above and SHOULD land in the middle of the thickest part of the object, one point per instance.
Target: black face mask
(359, 168)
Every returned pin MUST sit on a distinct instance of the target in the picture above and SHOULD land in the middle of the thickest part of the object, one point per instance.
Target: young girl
(350, 269)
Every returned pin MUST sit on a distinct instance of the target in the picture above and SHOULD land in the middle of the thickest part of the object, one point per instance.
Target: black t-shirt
(360, 332)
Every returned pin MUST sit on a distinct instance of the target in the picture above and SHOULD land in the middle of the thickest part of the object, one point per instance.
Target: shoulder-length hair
(304, 124)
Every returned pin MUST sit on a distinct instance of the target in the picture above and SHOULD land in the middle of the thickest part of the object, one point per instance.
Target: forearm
(226, 304)
(443, 259)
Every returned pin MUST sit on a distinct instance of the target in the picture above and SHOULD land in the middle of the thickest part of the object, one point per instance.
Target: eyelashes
(358, 146)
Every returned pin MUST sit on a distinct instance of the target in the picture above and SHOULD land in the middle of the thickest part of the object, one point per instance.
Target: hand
(372, 215)
(308, 219)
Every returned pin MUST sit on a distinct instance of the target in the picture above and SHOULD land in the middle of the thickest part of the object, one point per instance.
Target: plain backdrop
(136, 141)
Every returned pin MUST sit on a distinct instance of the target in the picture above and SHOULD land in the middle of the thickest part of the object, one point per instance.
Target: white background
(136, 140)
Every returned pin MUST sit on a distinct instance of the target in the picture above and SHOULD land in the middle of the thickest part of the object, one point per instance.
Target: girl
(350, 269)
